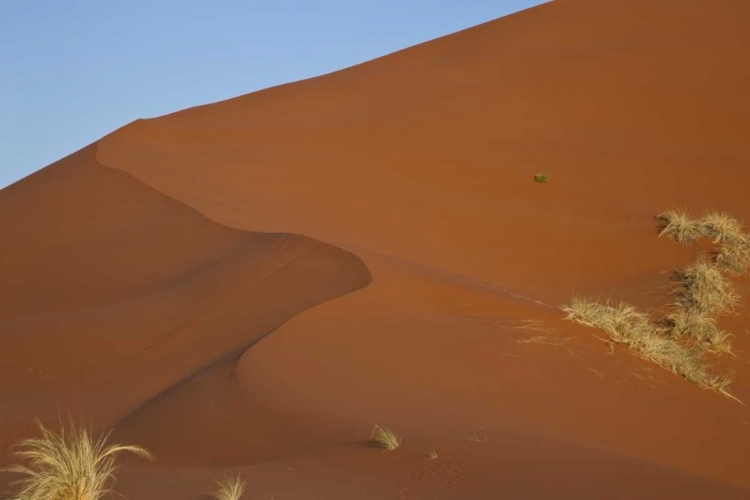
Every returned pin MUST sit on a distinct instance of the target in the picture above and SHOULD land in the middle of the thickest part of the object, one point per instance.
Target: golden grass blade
(678, 225)
(385, 438)
(71, 465)
(704, 289)
(734, 257)
(625, 325)
(229, 488)
(722, 228)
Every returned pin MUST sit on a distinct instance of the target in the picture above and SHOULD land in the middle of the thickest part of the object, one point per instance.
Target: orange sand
(386, 228)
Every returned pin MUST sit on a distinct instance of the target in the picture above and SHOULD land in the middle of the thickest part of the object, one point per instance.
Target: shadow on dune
(114, 293)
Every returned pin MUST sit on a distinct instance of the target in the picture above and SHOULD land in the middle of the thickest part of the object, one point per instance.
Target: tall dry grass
(702, 292)
(626, 325)
(726, 231)
(734, 244)
(71, 465)
(700, 327)
(680, 226)
(703, 288)
(229, 488)
(735, 257)
(385, 438)
(722, 228)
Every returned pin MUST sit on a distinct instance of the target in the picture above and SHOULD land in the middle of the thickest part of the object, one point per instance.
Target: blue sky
(72, 71)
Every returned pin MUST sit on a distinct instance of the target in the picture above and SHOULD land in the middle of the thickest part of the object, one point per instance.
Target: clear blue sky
(72, 71)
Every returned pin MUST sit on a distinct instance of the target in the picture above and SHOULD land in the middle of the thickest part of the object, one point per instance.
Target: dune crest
(415, 170)
(114, 293)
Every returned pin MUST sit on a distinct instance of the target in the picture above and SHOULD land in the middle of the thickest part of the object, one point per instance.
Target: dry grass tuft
(623, 323)
(229, 488)
(734, 257)
(726, 231)
(702, 293)
(626, 325)
(722, 228)
(385, 438)
(734, 245)
(720, 383)
(700, 327)
(702, 288)
(679, 226)
(71, 465)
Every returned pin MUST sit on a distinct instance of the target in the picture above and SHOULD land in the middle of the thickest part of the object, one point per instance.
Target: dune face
(113, 293)
(126, 285)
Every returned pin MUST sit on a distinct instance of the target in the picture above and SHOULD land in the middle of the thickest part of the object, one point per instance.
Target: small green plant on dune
(702, 292)
(385, 438)
(69, 465)
(229, 488)
(541, 178)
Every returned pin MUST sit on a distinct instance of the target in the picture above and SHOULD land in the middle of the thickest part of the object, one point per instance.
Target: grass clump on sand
(626, 325)
(722, 228)
(700, 327)
(678, 225)
(733, 252)
(703, 288)
(71, 465)
(385, 438)
(727, 232)
(229, 488)
(541, 178)
(702, 292)
(734, 258)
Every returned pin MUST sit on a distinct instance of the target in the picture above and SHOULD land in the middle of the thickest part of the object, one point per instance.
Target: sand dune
(113, 292)
(414, 171)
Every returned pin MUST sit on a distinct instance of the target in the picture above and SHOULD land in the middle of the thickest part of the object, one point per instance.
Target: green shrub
(541, 178)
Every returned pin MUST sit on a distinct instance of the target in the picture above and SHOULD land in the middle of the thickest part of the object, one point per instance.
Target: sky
(71, 71)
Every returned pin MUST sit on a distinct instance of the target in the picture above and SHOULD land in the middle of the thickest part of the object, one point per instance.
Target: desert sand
(249, 286)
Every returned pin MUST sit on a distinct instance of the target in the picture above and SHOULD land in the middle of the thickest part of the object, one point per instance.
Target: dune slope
(419, 165)
(113, 293)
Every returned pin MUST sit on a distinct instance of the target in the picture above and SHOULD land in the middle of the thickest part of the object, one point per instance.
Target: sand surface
(381, 223)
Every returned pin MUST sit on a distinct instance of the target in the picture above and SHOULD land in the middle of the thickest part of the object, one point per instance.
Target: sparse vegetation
(680, 341)
(734, 257)
(229, 488)
(702, 288)
(541, 178)
(626, 325)
(71, 465)
(679, 226)
(478, 436)
(726, 231)
(722, 228)
(385, 438)
(733, 252)
(700, 327)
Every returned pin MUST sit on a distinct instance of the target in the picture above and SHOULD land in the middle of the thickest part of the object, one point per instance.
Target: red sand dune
(129, 301)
